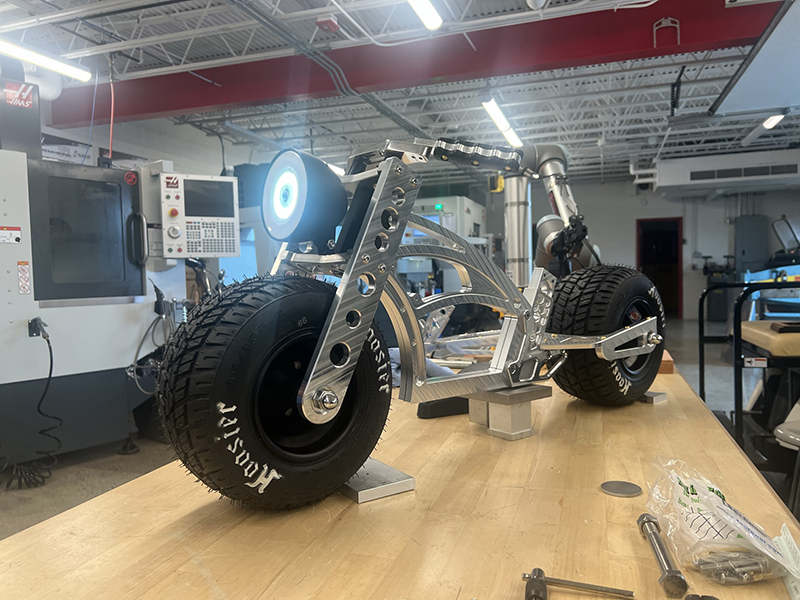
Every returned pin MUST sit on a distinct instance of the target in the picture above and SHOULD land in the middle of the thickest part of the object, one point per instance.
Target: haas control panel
(199, 216)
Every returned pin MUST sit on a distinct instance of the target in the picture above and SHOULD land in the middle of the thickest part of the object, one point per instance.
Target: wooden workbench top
(484, 511)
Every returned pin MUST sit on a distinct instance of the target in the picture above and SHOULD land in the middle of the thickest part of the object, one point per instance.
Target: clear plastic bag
(708, 534)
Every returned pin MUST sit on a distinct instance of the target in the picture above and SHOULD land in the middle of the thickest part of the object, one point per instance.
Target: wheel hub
(280, 421)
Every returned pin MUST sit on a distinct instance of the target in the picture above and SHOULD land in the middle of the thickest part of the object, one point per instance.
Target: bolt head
(365, 258)
(674, 584)
(382, 269)
(646, 518)
(331, 244)
(398, 170)
(655, 339)
(328, 400)
(414, 182)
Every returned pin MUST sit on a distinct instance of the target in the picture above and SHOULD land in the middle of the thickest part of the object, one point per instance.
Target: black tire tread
(189, 368)
(580, 302)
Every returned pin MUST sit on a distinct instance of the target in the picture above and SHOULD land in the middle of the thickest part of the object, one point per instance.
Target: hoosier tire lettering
(249, 466)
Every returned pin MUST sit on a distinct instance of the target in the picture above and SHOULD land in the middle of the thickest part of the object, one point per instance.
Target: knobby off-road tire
(596, 301)
(227, 394)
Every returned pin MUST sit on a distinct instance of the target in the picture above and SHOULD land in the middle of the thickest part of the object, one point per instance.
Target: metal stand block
(376, 480)
(479, 412)
(510, 422)
(653, 397)
(507, 413)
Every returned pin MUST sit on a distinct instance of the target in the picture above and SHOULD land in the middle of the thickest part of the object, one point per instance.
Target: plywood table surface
(484, 511)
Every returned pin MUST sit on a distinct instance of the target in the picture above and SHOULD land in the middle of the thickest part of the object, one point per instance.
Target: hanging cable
(168, 328)
(222, 145)
(91, 121)
(36, 473)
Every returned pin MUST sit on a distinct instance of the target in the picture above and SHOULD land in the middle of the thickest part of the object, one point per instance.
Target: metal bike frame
(524, 351)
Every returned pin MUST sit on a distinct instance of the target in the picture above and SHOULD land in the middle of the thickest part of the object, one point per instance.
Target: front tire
(597, 301)
(227, 395)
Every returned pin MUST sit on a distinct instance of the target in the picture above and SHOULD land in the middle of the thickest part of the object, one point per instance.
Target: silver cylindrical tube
(518, 230)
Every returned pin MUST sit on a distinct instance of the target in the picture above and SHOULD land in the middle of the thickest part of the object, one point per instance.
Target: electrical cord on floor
(36, 473)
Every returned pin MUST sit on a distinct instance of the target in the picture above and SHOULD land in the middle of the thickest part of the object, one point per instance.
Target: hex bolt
(655, 339)
(671, 580)
(328, 400)
(331, 244)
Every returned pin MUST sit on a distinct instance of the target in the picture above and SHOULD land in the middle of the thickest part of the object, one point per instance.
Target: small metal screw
(331, 244)
(527, 314)
(414, 181)
(382, 269)
(512, 369)
(413, 342)
(398, 170)
(365, 258)
(297, 364)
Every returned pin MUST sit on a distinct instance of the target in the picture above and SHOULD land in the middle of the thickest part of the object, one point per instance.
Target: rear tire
(597, 301)
(227, 395)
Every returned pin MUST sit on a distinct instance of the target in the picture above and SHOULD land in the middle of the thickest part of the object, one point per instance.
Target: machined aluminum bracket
(359, 292)
(610, 347)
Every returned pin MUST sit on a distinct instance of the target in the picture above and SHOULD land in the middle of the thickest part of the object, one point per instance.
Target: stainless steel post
(518, 230)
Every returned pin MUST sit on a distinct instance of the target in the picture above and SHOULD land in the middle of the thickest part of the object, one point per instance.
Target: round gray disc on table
(622, 489)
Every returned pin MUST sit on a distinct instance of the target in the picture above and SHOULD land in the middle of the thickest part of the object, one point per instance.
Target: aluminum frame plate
(377, 480)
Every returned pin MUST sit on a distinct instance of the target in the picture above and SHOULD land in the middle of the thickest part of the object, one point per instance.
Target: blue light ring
(281, 226)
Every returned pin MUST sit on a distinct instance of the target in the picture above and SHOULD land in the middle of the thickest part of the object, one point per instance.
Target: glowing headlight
(303, 200)
(284, 194)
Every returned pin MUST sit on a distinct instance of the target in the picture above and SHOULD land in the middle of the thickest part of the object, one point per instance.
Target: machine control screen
(199, 216)
(208, 198)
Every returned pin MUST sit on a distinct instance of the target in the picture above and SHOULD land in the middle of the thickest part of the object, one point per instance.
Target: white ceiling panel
(770, 79)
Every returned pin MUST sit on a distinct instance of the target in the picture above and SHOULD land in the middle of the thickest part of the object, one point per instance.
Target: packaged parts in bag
(707, 533)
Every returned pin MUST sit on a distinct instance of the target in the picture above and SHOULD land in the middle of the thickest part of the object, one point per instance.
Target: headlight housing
(303, 199)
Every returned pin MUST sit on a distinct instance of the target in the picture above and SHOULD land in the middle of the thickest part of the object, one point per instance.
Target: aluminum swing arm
(524, 351)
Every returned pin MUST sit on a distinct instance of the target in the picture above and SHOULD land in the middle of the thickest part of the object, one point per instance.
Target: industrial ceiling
(609, 115)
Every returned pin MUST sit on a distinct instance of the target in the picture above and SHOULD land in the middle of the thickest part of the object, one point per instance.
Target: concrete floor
(78, 477)
(681, 341)
(85, 474)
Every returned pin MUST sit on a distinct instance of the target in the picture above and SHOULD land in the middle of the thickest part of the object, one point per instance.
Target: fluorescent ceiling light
(502, 123)
(46, 61)
(772, 121)
(426, 13)
(338, 170)
(512, 138)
